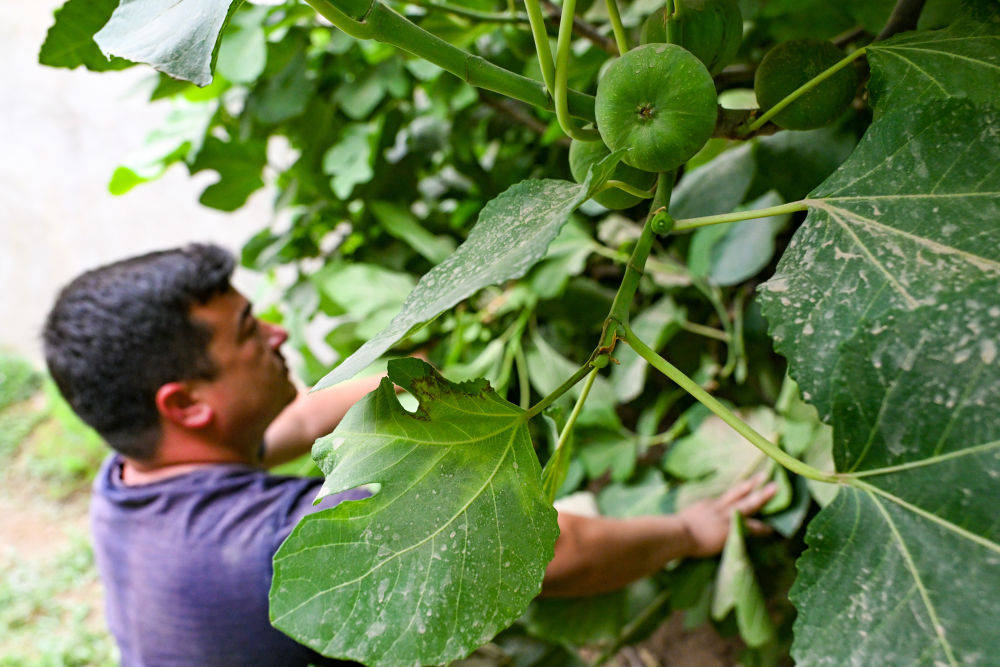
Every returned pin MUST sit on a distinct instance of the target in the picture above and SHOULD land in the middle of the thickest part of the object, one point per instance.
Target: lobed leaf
(907, 220)
(904, 565)
(449, 550)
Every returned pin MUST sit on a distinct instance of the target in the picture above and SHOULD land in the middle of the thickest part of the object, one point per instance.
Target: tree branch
(519, 114)
(904, 17)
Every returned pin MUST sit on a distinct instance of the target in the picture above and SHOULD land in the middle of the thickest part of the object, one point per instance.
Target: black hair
(119, 332)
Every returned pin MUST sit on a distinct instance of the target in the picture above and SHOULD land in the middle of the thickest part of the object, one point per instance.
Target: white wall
(63, 133)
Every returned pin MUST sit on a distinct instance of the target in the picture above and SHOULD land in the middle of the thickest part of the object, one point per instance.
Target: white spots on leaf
(988, 351)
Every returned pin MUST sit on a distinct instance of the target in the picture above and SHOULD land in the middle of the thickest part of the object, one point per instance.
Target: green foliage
(381, 162)
(484, 527)
(70, 40)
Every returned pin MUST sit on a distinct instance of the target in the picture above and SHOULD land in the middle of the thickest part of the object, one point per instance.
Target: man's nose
(276, 335)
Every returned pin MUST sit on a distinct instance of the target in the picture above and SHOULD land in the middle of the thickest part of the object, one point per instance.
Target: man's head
(163, 340)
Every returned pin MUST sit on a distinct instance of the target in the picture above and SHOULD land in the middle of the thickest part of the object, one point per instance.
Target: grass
(50, 600)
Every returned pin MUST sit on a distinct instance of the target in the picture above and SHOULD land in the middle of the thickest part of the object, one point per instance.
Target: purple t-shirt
(186, 563)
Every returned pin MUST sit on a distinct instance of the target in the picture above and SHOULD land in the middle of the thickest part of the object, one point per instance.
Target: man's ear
(176, 404)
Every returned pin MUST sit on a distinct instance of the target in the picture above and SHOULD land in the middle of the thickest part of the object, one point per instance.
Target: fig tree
(659, 102)
(582, 154)
(710, 29)
(791, 64)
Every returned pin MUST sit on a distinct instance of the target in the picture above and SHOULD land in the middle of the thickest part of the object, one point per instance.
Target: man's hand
(707, 522)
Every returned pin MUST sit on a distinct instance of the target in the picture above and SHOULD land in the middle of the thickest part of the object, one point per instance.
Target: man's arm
(312, 416)
(598, 555)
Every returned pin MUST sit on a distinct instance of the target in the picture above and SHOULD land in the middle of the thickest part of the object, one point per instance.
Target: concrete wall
(64, 132)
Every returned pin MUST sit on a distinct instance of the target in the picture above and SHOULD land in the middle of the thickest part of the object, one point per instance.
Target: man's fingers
(752, 502)
(756, 527)
(742, 489)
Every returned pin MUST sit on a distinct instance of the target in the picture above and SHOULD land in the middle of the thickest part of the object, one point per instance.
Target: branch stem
(563, 45)
(633, 270)
(542, 48)
(804, 88)
(625, 187)
(736, 216)
(621, 37)
(724, 413)
(466, 12)
(581, 373)
(376, 21)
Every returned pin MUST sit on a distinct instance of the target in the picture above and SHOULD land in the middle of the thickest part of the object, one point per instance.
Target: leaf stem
(376, 21)
(633, 270)
(724, 413)
(706, 331)
(625, 187)
(555, 470)
(542, 47)
(537, 408)
(563, 44)
(736, 216)
(524, 388)
(803, 89)
(621, 37)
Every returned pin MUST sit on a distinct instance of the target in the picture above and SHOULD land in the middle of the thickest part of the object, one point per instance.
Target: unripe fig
(659, 102)
(582, 154)
(710, 29)
(791, 64)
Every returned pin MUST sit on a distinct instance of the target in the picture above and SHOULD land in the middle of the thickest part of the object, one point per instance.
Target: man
(167, 362)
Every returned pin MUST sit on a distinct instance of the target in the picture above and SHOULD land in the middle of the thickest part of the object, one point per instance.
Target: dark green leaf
(590, 620)
(917, 438)
(239, 167)
(70, 40)
(423, 586)
(908, 219)
(962, 60)
(177, 37)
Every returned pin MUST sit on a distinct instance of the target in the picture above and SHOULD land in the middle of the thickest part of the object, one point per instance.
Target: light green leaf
(729, 254)
(401, 224)
(916, 434)
(513, 232)
(647, 496)
(243, 55)
(908, 219)
(177, 37)
(350, 161)
(962, 60)
(70, 40)
(716, 187)
(425, 586)
(657, 325)
(715, 457)
(736, 589)
(566, 257)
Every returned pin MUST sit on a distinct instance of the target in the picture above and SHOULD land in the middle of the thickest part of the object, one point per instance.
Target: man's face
(251, 385)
